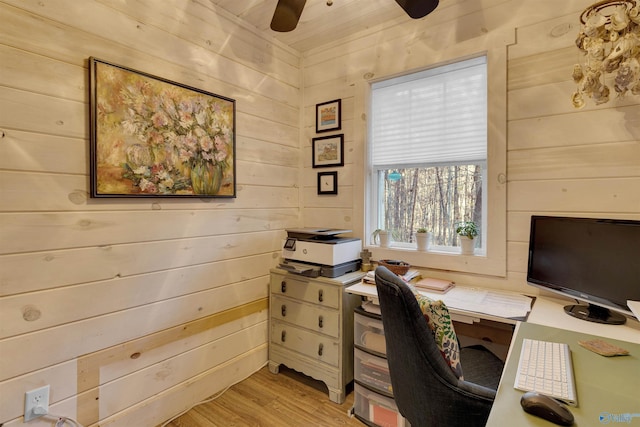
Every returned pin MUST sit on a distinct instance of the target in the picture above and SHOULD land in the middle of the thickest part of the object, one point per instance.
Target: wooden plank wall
(559, 160)
(133, 310)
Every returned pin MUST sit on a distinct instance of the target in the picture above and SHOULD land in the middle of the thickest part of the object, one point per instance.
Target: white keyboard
(546, 368)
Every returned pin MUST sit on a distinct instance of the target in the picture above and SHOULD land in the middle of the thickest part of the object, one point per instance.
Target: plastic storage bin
(372, 371)
(377, 409)
(368, 332)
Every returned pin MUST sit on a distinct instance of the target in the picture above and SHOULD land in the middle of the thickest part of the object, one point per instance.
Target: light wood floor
(287, 399)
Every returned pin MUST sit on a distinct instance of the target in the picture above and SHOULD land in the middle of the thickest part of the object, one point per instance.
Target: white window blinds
(437, 116)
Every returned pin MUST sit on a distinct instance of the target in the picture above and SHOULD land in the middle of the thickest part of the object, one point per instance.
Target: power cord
(211, 399)
(220, 393)
(60, 420)
(63, 421)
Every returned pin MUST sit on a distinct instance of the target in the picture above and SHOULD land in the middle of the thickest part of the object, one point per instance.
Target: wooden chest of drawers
(311, 327)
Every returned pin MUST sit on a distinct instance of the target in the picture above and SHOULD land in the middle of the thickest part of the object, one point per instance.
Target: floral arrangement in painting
(165, 139)
(182, 135)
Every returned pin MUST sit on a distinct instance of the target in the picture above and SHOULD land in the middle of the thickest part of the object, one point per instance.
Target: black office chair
(426, 390)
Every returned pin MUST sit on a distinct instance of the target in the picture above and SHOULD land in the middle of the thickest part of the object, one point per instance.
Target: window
(428, 151)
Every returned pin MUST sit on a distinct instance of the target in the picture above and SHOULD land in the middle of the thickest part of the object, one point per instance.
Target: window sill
(477, 263)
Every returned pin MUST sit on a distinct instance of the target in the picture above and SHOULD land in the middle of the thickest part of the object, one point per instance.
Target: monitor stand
(594, 313)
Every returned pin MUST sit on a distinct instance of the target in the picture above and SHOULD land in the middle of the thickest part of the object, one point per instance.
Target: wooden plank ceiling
(319, 24)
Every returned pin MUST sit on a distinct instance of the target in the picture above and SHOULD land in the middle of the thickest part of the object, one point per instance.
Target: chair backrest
(425, 389)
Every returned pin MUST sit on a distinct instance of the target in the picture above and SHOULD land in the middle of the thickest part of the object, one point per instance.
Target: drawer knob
(320, 321)
(283, 336)
(320, 348)
(283, 286)
(283, 310)
(320, 295)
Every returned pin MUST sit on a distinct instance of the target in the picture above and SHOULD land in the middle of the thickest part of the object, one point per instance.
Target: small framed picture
(328, 151)
(327, 182)
(329, 116)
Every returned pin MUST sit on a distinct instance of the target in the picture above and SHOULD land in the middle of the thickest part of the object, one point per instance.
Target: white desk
(460, 301)
(472, 327)
(546, 311)
(549, 311)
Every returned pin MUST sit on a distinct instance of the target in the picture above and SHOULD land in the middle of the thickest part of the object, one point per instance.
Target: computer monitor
(595, 261)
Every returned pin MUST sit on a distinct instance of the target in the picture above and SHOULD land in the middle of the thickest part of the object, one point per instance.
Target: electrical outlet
(38, 398)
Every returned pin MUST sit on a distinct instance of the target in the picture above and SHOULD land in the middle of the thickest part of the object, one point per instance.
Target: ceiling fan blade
(418, 8)
(287, 14)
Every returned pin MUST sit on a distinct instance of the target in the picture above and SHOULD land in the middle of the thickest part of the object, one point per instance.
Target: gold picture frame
(152, 137)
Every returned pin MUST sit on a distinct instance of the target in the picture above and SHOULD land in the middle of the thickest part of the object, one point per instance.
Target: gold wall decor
(151, 137)
(610, 40)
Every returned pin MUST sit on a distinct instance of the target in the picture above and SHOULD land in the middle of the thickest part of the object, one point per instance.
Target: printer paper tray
(300, 268)
(312, 270)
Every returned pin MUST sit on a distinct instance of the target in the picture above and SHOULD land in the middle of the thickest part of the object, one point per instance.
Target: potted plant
(382, 237)
(467, 230)
(422, 238)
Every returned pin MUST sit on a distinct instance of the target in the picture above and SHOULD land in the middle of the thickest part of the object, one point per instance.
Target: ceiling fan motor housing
(417, 9)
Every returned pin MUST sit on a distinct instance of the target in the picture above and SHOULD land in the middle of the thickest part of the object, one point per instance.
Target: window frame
(492, 261)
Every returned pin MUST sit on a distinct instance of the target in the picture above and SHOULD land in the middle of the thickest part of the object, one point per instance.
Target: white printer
(320, 252)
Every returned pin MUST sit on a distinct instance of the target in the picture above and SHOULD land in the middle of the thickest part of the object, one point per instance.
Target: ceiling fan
(287, 13)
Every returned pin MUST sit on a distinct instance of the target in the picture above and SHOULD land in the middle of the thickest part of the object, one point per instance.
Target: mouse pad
(603, 348)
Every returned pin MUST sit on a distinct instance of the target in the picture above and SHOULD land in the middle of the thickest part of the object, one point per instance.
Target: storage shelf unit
(373, 400)
(311, 327)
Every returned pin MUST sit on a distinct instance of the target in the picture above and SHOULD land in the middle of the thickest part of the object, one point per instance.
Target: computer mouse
(547, 408)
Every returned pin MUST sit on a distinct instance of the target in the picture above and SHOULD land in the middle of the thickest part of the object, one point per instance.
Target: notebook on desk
(434, 285)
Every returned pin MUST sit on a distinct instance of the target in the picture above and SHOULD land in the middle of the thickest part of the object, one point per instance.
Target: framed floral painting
(151, 137)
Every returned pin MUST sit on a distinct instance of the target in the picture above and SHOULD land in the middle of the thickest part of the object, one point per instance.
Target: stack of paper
(409, 275)
(635, 308)
(371, 307)
(493, 302)
(370, 277)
